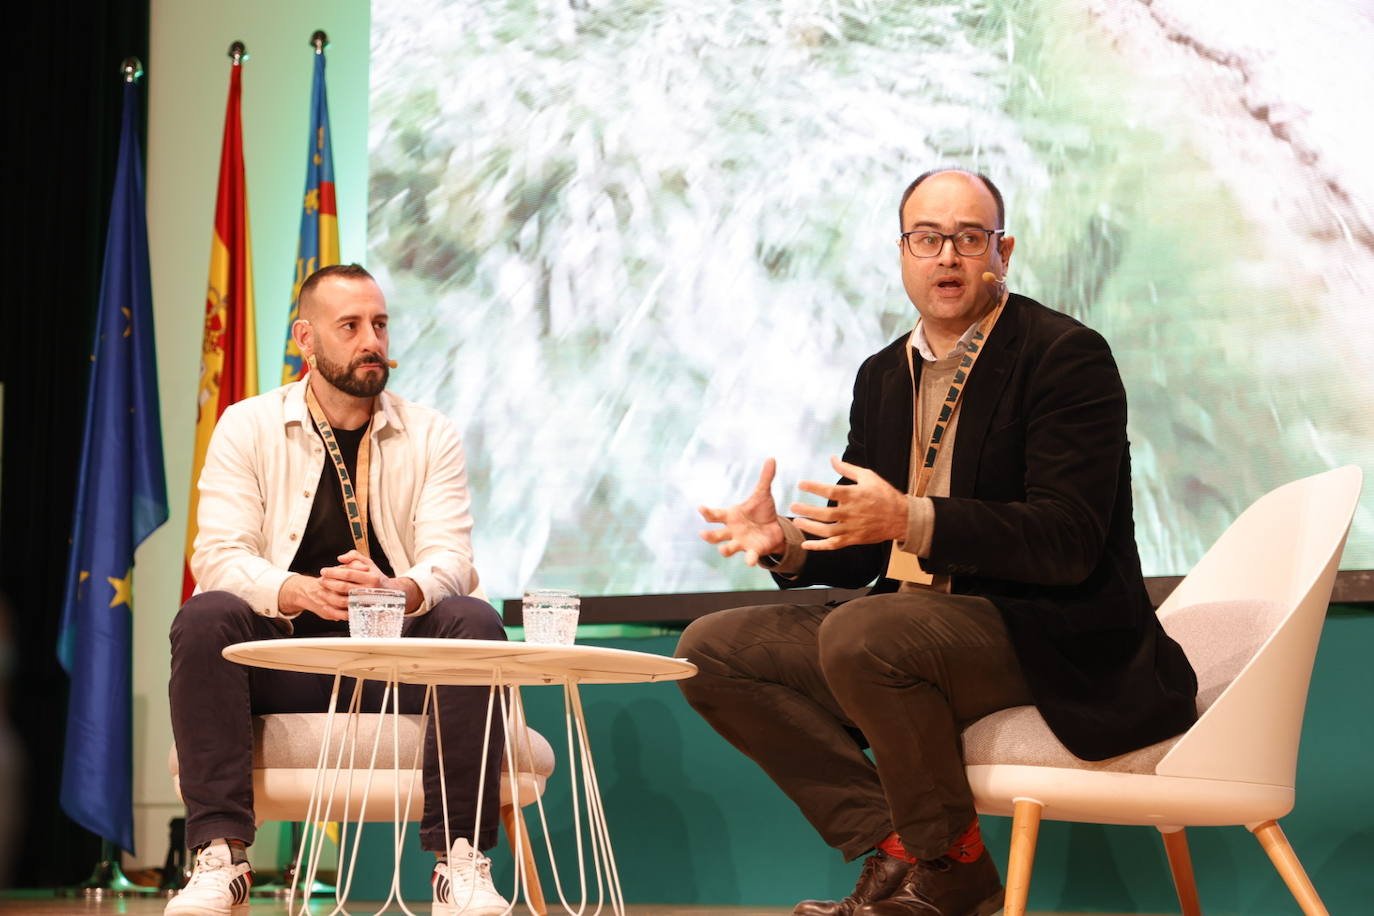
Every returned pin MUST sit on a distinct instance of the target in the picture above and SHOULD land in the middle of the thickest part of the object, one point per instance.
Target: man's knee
(459, 617)
(704, 643)
(709, 642)
(765, 642)
(900, 633)
(695, 642)
(849, 635)
(881, 631)
(215, 617)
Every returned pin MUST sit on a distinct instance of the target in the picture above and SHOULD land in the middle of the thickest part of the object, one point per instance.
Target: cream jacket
(259, 480)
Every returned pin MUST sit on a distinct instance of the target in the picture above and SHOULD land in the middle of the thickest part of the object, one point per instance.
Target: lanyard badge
(902, 565)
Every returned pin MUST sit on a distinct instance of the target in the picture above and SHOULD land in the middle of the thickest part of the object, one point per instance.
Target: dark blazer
(1038, 521)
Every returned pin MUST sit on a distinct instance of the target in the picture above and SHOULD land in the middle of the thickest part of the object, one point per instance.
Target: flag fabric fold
(121, 497)
(228, 362)
(318, 243)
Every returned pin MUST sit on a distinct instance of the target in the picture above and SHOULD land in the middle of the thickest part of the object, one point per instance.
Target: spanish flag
(228, 361)
(318, 243)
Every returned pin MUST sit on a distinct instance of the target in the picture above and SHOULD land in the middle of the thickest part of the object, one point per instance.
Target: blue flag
(121, 496)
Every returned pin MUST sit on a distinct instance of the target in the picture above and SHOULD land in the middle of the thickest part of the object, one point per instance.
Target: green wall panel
(693, 821)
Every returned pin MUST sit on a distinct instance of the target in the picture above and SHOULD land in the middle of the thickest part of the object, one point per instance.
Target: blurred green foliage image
(634, 247)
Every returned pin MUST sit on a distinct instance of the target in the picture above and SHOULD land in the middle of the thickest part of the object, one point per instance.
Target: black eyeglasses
(927, 243)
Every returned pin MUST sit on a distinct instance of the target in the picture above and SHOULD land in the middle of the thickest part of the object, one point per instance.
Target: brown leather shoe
(881, 876)
(943, 887)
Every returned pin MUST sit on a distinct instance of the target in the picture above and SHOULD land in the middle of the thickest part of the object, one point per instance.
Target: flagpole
(317, 245)
(228, 364)
(107, 878)
(319, 40)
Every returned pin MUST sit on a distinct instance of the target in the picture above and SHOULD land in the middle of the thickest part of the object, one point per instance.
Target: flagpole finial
(131, 69)
(238, 53)
(319, 41)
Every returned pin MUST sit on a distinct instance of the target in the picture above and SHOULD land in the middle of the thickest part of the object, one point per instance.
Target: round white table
(470, 662)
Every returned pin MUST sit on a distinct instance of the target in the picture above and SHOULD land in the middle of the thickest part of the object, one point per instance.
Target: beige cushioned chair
(286, 750)
(1248, 616)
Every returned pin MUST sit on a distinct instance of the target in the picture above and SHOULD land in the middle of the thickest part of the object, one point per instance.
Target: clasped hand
(327, 595)
(868, 511)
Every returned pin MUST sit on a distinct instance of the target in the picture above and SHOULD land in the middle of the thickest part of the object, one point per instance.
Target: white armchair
(286, 750)
(1248, 616)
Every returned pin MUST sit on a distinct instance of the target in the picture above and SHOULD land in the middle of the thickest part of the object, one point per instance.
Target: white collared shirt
(921, 344)
(258, 484)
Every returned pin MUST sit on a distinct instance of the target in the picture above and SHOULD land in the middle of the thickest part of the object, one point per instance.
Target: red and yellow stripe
(228, 362)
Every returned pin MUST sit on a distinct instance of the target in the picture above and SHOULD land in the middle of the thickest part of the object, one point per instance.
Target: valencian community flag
(121, 496)
(318, 244)
(228, 360)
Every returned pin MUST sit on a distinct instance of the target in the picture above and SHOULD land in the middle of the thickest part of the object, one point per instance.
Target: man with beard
(277, 551)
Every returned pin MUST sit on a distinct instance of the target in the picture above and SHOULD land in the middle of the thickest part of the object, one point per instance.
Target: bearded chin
(368, 386)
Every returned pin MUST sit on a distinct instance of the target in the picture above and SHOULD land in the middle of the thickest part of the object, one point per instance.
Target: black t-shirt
(327, 535)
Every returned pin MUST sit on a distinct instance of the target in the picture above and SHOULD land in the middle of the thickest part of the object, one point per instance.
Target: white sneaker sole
(187, 908)
(476, 907)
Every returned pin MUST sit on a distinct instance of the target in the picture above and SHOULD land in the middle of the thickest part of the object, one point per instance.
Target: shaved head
(307, 298)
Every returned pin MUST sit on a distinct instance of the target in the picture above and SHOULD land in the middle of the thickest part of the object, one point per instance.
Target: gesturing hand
(750, 526)
(868, 511)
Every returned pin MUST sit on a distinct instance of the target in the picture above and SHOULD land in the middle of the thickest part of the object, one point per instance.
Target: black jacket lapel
(982, 396)
(894, 410)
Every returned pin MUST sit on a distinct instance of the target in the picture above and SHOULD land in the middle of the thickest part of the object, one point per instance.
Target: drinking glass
(550, 616)
(376, 612)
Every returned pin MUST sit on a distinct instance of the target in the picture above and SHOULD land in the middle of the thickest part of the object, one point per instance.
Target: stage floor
(50, 906)
(25, 902)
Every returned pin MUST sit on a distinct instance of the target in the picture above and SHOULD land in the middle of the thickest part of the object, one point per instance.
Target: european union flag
(121, 497)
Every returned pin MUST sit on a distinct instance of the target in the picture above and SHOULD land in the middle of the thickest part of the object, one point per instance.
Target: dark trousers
(803, 689)
(213, 701)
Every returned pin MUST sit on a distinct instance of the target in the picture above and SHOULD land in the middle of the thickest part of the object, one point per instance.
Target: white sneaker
(217, 886)
(462, 886)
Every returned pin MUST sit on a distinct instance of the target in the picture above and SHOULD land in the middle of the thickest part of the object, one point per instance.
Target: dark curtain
(61, 113)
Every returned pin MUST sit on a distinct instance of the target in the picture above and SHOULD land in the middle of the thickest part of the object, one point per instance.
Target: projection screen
(635, 248)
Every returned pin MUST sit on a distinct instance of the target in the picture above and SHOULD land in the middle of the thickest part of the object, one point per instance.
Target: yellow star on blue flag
(121, 496)
(123, 589)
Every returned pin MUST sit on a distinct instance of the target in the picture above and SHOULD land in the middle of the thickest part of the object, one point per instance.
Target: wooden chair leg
(1270, 836)
(525, 852)
(1181, 867)
(1025, 830)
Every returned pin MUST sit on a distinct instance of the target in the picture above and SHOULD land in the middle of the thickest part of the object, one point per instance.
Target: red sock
(892, 845)
(968, 846)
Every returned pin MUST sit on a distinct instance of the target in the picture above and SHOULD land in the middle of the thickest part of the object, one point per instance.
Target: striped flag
(318, 244)
(121, 497)
(228, 360)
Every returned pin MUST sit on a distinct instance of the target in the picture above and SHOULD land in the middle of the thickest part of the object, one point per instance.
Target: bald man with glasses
(985, 500)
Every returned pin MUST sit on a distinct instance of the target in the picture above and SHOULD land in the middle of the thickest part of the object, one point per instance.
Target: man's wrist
(414, 595)
(288, 598)
(901, 516)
